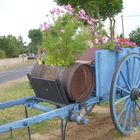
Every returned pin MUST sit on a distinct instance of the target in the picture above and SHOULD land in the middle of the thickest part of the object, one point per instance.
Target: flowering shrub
(126, 43)
(67, 37)
(68, 34)
(118, 44)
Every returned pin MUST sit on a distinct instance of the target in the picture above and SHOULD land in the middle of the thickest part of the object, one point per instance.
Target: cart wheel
(125, 93)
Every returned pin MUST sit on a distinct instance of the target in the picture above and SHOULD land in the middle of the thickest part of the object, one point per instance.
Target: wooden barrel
(78, 80)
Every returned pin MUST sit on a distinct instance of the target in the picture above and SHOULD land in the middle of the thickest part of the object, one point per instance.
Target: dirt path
(99, 128)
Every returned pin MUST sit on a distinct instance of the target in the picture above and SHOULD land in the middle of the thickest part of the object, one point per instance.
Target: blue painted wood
(51, 114)
(12, 103)
(106, 62)
(41, 107)
(125, 109)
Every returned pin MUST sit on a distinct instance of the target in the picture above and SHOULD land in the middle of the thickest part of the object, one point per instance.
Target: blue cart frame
(117, 80)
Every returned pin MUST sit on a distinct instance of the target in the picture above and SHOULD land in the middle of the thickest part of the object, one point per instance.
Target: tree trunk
(112, 28)
(98, 13)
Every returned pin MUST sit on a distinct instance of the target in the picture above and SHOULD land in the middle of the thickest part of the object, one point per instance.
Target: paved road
(14, 74)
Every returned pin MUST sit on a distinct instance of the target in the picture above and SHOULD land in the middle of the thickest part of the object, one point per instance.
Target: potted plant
(117, 45)
(68, 37)
(64, 40)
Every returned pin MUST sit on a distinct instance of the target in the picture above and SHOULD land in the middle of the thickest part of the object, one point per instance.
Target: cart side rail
(105, 64)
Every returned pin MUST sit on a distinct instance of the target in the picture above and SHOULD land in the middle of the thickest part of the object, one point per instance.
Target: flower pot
(88, 56)
(78, 80)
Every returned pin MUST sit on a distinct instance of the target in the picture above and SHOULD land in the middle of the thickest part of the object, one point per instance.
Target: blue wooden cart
(117, 81)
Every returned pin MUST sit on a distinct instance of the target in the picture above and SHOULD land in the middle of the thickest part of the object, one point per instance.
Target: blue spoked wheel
(125, 94)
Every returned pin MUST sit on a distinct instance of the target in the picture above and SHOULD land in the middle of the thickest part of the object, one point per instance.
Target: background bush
(11, 46)
(135, 36)
(2, 54)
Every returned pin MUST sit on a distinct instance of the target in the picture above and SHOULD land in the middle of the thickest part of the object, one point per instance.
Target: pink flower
(62, 30)
(126, 39)
(82, 12)
(55, 11)
(45, 26)
(52, 12)
(93, 20)
(120, 40)
(82, 17)
(62, 11)
(133, 44)
(69, 9)
(127, 43)
(90, 22)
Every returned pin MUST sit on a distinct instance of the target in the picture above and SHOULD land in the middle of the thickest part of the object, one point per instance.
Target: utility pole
(122, 26)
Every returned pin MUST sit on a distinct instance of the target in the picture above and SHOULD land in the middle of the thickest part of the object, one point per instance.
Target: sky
(131, 17)
(17, 17)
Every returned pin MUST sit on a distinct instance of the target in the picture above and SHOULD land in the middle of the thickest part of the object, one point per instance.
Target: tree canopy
(10, 46)
(88, 5)
(100, 9)
(36, 38)
(106, 8)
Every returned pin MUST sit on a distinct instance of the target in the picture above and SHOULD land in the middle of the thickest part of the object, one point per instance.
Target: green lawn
(15, 91)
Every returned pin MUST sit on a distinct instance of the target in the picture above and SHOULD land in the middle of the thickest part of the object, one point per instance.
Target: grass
(22, 89)
(16, 91)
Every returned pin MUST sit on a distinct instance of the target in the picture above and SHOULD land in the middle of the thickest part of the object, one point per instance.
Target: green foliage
(36, 38)
(135, 36)
(32, 48)
(107, 46)
(89, 5)
(99, 9)
(10, 45)
(2, 54)
(110, 8)
(63, 43)
(107, 8)
(117, 45)
(111, 45)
